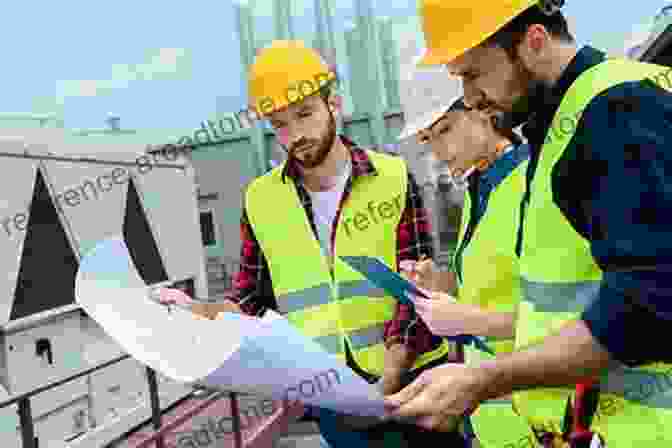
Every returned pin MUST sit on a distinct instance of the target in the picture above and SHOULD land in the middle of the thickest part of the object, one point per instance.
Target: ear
(335, 103)
(535, 43)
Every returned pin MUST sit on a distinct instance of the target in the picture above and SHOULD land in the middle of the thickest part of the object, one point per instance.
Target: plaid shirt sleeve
(414, 239)
(252, 288)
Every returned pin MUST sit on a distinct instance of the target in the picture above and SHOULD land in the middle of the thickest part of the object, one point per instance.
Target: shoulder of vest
(635, 63)
(272, 177)
(386, 162)
(611, 63)
(602, 78)
(614, 71)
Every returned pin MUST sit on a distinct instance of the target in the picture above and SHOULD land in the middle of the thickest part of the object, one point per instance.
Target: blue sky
(164, 64)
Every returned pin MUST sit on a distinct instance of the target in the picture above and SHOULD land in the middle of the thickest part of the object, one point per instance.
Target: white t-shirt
(325, 205)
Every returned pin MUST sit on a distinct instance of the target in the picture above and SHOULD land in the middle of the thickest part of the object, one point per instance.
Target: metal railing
(23, 401)
(157, 436)
(274, 424)
(27, 427)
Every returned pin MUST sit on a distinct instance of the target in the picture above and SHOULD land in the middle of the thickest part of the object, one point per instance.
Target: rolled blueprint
(235, 352)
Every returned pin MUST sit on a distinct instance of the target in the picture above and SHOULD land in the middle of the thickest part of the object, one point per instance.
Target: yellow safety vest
(489, 264)
(346, 309)
(490, 279)
(559, 277)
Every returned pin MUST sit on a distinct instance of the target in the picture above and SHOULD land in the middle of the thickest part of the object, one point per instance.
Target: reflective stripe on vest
(321, 295)
(359, 339)
(562, 297)
(560, 277)
(622, 381)
(345, 308)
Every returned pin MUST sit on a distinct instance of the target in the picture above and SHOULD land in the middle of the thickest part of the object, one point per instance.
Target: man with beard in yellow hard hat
(328, 200)
(594, 241)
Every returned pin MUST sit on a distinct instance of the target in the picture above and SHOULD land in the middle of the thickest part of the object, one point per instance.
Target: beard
(314, 157)
(523, 107)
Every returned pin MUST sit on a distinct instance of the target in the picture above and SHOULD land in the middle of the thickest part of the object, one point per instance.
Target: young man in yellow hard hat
(332, 199)
(594, 241)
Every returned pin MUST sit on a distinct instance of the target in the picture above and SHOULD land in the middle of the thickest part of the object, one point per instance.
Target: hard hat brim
(424, 122)
(434, 58)
(408, 131)
(282, 102)
(447, 54)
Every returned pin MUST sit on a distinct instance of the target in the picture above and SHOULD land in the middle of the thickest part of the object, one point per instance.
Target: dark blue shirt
(613, 183)
(481, 185)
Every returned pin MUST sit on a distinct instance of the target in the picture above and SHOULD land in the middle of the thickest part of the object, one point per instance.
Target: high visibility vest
(489, 278)
(345, 309)
(559, 277)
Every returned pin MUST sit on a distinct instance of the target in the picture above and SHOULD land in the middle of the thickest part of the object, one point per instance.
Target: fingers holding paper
(438, 397)
(215, 310)
(173, 296)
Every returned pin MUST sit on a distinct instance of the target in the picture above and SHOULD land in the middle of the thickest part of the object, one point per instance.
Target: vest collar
(504, 165)
(361, 163)
(586, 58)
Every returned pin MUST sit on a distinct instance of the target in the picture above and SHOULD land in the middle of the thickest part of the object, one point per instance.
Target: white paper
(175, 343)
(240, 353)
(271, 315)
(281, 363)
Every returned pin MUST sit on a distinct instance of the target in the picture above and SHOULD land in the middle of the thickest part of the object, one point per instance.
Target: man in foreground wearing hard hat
(332, 199)
(594, 240)
(493, 163)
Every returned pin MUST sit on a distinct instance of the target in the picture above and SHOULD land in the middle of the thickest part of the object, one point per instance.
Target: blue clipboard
(397, 286)
(382, 276)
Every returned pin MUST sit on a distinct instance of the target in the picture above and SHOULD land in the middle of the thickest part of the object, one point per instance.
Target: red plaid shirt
(252, 284)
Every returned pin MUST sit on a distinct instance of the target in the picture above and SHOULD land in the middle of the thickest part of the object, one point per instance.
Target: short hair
(329, 88)
(325, 92)
(511, 35)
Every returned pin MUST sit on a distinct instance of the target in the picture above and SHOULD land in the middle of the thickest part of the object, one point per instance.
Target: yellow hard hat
(283, 73)
(452, 27)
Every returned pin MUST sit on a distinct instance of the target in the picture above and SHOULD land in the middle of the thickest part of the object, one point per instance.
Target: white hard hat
(636, 42)
(426, 94)
(643, 35)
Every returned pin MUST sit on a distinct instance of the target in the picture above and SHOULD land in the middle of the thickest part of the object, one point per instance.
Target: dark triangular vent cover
(140, 241)
(48, 267)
